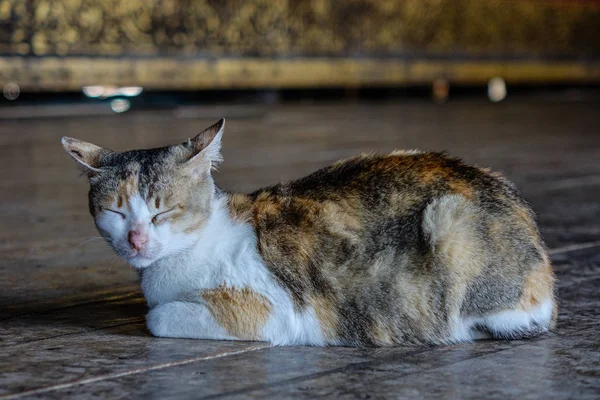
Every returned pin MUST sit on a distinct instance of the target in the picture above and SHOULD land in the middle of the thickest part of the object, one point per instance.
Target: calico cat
(378, 250)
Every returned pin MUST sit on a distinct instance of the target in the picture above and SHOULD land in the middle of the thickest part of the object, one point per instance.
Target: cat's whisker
(111, 261)
(90, 239)
(111, 257)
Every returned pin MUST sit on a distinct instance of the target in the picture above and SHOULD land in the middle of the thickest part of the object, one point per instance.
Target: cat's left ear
(206, 147)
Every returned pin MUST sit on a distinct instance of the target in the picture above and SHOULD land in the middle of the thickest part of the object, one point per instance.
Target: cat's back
(401, 179)
(390, 200)
(353, 211)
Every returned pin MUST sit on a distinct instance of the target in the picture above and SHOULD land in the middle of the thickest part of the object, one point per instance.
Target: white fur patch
(449, 216)
(510, 323)
(177, 319)
(223, 253)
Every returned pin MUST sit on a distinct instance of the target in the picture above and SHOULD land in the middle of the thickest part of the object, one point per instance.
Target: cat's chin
(140, 262)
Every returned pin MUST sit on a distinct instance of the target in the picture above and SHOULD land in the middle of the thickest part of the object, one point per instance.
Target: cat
(378, 250)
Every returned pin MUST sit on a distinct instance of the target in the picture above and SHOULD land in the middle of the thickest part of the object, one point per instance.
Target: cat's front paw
(180, 319)
(160, 319)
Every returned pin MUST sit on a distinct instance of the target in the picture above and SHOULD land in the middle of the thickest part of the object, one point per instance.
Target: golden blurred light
(120, 105)
(11, 91)
(440, 90)
(496, 89)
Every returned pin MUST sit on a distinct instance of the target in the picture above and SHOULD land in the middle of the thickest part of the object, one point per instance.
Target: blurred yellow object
(177, 44)
(440, 90)
(73, 73)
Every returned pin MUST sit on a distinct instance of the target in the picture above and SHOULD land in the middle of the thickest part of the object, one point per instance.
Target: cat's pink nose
(137, 240)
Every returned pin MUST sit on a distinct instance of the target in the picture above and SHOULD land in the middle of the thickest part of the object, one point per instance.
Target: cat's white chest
(175, 280)
(232, 262)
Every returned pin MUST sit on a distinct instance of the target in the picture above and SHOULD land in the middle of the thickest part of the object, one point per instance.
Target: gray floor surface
(72, 314)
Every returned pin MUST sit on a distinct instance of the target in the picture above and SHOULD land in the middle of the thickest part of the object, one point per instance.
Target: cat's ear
(87, 155)
(206, 147)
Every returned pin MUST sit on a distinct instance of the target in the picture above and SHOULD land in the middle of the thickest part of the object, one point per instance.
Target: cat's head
(149, 204)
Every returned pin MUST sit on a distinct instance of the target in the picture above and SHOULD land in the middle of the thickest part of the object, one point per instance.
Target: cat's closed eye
(116, 212)
(161, 215)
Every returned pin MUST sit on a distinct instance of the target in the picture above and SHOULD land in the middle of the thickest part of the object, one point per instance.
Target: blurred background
(185, 51)
(509, 84)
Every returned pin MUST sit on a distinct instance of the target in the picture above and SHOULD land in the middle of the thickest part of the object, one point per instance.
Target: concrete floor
(72, 315)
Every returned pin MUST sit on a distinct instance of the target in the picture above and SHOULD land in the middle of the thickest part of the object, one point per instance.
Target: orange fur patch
(240, 207)
(242, 312)
(267, 205)
(433, 172)
(326, 314)
(462, 188)
(129, 186)
(538, 287)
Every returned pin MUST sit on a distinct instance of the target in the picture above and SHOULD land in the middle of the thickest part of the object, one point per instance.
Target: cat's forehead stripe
(129, 185)
(139, 177)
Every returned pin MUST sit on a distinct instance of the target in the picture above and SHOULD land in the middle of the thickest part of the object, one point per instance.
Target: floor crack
(134, 371)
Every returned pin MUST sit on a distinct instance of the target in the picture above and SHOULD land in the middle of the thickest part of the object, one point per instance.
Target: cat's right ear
(87, 155)
(204, 150)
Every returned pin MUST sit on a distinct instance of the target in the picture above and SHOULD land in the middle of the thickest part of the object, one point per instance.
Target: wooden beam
(71, 73)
